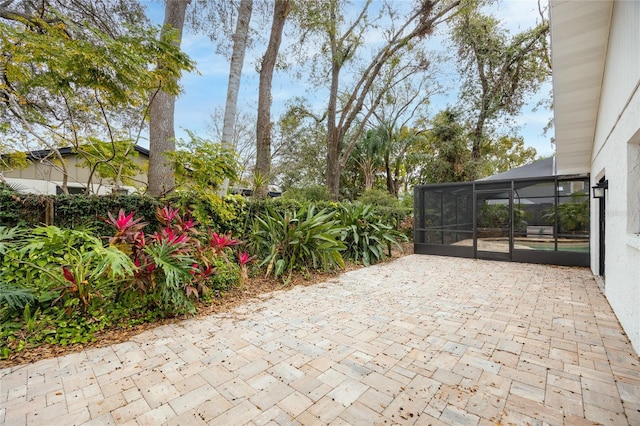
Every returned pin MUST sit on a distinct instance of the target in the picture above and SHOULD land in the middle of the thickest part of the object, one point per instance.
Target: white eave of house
(579, 42)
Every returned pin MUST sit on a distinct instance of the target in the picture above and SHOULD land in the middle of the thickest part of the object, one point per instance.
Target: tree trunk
(387, 168)
(333, 162)
(161, 116)
(333, 132)
(476, 142)
(65, 173)
(396, 179)
(263, 128)
(235, 74)
(477, 133)
(367, 170)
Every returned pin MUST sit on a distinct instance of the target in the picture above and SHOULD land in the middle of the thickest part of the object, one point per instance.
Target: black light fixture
(600, 188)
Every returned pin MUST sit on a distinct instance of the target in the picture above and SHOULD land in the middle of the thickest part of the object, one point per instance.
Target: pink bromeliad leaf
(167, 235)
(221, 241)
(124, 221)
(139, 239)
(166, 214)
(194, 269)
(187, 224)
(243, 258)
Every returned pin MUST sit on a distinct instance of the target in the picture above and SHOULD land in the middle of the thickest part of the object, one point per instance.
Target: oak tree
(499, 70)
(342, 40)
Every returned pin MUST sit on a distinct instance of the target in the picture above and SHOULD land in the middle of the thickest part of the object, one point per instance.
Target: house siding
(615, 155)
(43, 178)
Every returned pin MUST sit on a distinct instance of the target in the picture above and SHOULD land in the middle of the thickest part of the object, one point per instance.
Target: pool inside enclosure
(534, 220)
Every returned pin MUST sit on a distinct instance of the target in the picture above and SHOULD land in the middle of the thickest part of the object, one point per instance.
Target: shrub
(378, 198)
(407, 201)
(311, 193)
(177, 262)
(226, 277)
(10, 207)
(72, 211)
(301, 239)
(365, 234)
(226, 214)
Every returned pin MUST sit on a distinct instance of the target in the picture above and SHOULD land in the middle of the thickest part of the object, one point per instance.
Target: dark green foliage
(88, 210)
(227, 275)
(10, 207)
(310, 193)
(365, 234)
(75, 265)
(15, 297)
(172, 274)
(72, 211)
(300, 240)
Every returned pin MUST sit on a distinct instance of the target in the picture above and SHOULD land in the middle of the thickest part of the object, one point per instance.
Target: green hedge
(231, 214)
(72, 211)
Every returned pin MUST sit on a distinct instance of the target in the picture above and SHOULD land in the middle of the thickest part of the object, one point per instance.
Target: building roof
(579, 43)
(541, 168)
(44, 153)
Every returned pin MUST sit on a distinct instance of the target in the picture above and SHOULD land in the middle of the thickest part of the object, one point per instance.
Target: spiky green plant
(302, 239)
(365, 234)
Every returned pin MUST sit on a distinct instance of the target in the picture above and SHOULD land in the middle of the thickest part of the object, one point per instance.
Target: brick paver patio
(422, 340)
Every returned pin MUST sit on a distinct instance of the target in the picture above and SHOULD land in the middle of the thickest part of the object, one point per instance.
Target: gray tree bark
(161, 116)
(235, 74)
(263, 128)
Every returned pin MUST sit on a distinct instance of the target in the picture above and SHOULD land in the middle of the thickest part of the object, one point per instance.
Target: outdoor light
(599, 189)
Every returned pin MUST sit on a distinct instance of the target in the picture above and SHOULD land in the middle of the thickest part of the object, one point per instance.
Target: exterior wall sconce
(600, 188)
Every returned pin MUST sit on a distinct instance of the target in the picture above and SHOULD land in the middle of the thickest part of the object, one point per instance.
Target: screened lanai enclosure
(534, 220)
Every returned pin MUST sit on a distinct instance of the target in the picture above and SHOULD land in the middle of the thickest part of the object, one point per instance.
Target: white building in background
(595, 49)
(43, 175)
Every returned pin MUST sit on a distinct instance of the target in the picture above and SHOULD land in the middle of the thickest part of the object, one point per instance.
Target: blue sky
(206, 90)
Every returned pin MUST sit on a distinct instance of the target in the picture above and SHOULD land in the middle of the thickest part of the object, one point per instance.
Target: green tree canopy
(69, 84)
(202, 165)
(499, 72)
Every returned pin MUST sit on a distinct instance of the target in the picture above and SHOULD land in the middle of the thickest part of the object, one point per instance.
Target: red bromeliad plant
(243, 260)
(172, 260)
(166, 215)
(127, 229)
(220, 243)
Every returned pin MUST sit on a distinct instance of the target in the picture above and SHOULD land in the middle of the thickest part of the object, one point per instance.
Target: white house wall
(42, 187)
(615, 155)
